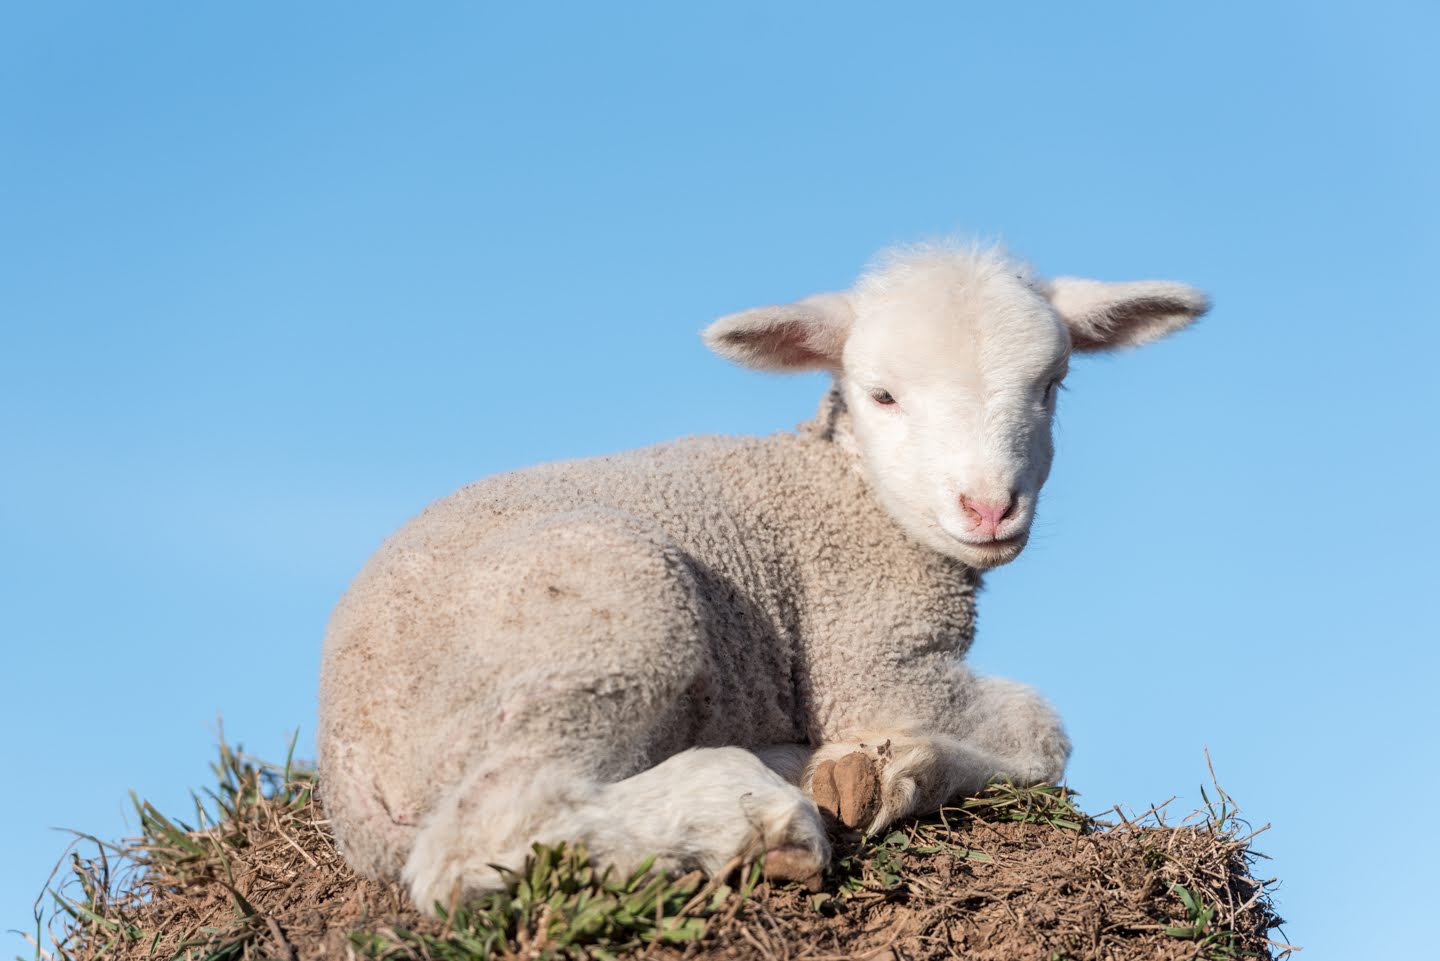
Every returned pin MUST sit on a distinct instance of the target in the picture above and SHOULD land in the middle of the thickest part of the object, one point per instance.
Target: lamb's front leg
(870, 779)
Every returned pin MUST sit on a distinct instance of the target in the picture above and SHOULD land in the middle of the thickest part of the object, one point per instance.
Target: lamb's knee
(786, 760)
(1020, 727)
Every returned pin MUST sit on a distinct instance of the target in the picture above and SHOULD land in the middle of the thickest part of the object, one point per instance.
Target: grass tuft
(1046, 804)
(103, 912)
(559, 906)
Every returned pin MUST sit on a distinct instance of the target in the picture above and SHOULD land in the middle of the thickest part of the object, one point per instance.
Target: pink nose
(986, 516)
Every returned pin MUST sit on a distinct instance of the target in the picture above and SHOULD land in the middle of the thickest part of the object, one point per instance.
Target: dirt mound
(1016, 873)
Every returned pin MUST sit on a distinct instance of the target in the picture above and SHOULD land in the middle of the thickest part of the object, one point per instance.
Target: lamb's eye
(882, 397)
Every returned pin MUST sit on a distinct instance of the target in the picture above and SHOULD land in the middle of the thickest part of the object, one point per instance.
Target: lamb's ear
(806, 335)
(1104, 316)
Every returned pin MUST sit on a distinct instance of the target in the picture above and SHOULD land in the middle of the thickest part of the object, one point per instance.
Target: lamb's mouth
(999, 549)
(999, 543)
(986, 553)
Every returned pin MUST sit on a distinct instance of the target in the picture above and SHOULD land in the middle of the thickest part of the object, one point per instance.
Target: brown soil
(1044, 893)
(970, 883)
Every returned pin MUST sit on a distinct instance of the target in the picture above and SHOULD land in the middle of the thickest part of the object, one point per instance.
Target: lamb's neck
(865, 519)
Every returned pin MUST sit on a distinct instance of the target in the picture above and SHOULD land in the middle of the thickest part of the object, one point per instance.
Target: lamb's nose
(986, 516)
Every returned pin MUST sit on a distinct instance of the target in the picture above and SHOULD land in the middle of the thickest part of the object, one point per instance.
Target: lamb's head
(949, 360)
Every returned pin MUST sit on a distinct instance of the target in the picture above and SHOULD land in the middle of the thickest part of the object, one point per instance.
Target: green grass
(1213, 941)
(1046, 804)
(559, 906)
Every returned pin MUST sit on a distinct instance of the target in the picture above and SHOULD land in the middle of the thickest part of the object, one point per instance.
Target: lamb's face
(949, 360)
(951, 389)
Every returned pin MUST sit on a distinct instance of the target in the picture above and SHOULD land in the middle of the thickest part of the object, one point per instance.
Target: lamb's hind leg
(704, 808)
(607, 665)
(1004, 729)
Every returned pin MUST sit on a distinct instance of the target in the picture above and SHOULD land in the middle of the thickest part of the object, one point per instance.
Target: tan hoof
(847, 790)
(791, 862)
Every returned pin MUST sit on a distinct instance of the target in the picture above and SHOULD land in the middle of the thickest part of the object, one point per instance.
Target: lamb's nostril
(987, 515)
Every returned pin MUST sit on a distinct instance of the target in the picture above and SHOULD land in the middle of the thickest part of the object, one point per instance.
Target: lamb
(708, 649)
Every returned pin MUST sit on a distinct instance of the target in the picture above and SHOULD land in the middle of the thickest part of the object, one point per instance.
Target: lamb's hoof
(847, 790)
(794, 862)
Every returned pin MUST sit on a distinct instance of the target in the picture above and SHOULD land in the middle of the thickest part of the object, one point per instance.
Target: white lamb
(695, 649)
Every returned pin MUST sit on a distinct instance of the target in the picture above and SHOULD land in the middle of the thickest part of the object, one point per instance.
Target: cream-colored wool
(605, 650)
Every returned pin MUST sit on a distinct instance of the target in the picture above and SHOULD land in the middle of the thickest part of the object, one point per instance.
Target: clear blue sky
(273, 276)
